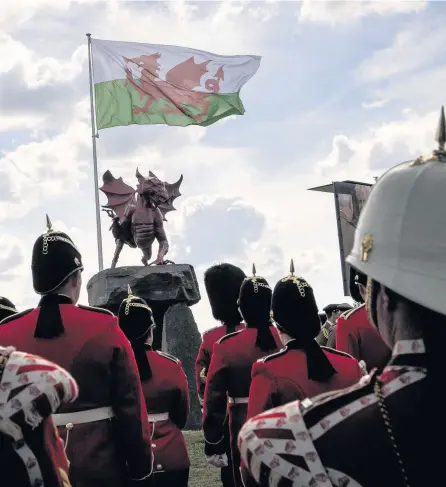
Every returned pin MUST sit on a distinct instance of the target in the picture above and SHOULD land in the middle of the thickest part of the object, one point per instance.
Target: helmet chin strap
(370, 291)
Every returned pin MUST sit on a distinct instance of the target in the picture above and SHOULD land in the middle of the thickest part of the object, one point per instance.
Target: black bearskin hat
(7, 308)
(135, 320)
(255, 301)
(54, 259)
(222, 283)
(294, 308)
(356, 277)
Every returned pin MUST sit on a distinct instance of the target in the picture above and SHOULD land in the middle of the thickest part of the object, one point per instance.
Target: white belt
(153, 418)
(81, 417)
(238, 400)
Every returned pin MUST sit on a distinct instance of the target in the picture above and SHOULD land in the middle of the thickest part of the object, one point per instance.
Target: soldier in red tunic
(387, 430)
(222, 284)
(31, 389)
(229, 375)
(166, 393)
(106, 430)
(354, 332)
(7, 308)
(302, 368)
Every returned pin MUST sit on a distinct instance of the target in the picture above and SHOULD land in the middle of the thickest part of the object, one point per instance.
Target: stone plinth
(169, 290)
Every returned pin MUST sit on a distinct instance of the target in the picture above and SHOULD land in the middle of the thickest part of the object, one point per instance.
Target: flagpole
(94, 136)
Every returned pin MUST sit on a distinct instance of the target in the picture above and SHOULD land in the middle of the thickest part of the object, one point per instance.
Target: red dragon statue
(138, 215)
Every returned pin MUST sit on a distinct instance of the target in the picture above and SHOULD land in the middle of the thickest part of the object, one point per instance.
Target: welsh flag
(154, 84)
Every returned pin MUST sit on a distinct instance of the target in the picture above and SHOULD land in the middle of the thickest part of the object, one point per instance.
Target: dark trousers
(227, 473)
(174, 478)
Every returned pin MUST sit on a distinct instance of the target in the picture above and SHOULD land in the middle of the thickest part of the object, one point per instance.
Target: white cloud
(39, 172)
(380, 147)
(375, 104)
(39, 71)
(411, 50)
(334, 12)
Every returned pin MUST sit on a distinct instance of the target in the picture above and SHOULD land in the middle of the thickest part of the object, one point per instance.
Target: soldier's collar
(409, 347)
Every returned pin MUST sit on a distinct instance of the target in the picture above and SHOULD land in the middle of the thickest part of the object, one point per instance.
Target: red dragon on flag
(179, 87)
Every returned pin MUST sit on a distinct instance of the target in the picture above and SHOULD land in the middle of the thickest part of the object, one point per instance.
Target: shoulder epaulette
(168, 356)
(273, 355)
(97, 310)
(210, 329)
(229, 335)
(347, 314)
(16, 316)
(337, 352)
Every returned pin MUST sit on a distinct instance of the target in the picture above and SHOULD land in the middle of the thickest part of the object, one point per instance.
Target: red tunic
(167, 392)
(95, 351)
(356, 336)
(228, 379)
(343, 438)
(283, 377)
(210, 337)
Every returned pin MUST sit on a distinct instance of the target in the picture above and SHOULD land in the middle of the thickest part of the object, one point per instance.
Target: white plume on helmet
(400, 240)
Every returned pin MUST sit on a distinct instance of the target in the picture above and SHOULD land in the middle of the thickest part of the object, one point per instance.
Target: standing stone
(169, 290)
(185, 347)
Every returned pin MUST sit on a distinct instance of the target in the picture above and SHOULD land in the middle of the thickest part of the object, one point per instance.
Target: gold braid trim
(256, 284)
(128, 303)
(368, 300)
(48, 237)
(388, 424)
(299, 282)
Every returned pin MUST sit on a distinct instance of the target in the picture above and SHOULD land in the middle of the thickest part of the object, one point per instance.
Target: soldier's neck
(402, 329)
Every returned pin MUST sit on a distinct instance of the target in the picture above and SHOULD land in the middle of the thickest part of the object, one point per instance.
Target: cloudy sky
(344, 91)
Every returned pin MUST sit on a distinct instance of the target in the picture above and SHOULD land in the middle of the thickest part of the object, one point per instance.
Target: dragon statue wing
(173, 191)
(119, 194)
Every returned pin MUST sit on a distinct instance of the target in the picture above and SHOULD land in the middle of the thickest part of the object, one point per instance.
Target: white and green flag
(154, 84)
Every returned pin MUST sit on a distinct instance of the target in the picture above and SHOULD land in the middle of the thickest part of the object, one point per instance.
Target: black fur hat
(294, 308)
(7, 308)
(54, 259)
(356, 277)
(222, 283)
(135, 320)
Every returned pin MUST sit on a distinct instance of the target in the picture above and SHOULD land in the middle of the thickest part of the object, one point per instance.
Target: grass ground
(201, 474)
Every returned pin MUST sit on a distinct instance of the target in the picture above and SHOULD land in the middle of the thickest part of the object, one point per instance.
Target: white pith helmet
(400, 240)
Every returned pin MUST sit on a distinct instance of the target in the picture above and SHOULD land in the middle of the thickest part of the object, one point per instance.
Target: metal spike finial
(440, 136)
(49, 225)
(129, 290)
(253, 270)
(292, 267)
